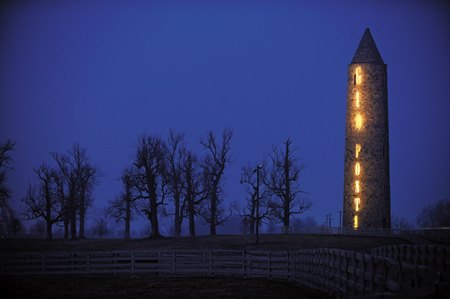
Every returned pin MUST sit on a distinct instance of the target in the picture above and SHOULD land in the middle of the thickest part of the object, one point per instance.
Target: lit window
(357, 203)
(355, 222)
(357, 149)
(357, 188)
(357, 168)
(358, 75)
(358, 121)
(357, 97)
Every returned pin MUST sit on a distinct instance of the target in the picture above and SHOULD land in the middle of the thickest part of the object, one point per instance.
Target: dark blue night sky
(102, 73)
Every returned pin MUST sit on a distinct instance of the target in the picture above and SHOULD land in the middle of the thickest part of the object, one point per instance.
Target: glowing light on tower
(358, 121)
(357, 150)
(357, 188)
(358, 75)
(357, 203)
(357, 169)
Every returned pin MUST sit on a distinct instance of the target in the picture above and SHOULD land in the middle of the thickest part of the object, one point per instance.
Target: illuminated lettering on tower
(358, 77)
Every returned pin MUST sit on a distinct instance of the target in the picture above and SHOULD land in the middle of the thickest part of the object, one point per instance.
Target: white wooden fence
(431, 256)
(338, 272)
(202, 263)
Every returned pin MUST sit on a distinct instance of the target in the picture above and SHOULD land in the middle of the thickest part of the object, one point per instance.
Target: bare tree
(5, 165)
(214, 167)
(196, 189)
(151, 183)
(283, 181)
(67, 178)
(42, 201)
(176, 155)
(124, 205)
(248, 213)
(62, 192)
(435, 214)
(89, 175)
(76, 180)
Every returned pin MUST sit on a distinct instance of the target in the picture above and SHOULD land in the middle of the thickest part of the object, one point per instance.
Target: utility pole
(258, 168)
(328, 220)
(340, 219)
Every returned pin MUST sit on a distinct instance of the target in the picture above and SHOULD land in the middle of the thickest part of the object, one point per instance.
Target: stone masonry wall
(373, 136)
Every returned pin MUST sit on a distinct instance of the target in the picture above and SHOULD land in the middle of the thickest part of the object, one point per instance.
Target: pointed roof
(367, 51)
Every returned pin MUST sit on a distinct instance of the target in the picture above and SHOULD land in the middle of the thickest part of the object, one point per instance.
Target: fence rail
(432, 256)
(203, 263)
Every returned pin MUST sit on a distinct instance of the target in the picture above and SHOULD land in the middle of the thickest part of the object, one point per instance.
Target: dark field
(267, 242)
(141, 287)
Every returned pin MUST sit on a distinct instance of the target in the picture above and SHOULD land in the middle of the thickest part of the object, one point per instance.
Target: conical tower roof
(367, 51)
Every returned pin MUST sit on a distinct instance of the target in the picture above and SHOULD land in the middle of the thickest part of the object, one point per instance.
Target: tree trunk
(287, 196)
(212, 226)
(286, 223)
(66, 225)
(48, 212)
(191, 214)
(190, 200)
(191, 223)
(178, 214)
(49, 231)
(73, 218)
(155, 226)
(127, 219)
(82, 216)
(253, 217)
(153, 212)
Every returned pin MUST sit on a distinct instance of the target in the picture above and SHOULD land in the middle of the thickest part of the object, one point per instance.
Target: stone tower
(367, 202)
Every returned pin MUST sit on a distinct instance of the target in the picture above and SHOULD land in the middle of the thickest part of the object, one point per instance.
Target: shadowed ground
(140, 287)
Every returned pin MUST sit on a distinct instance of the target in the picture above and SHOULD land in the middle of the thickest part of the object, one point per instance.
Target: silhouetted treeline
(166, 178)
(279, 190)
(63, 192)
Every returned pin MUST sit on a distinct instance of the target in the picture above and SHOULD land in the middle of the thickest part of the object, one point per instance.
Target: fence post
(211, 273)
(372, 274)
(363, 274)
(353, 275)
(43, 263)
(88, 263)
(2, 265)
(288, 265)
(174, 266)
(132, 262)
(269, 264)
(243, 262)
(72, 262)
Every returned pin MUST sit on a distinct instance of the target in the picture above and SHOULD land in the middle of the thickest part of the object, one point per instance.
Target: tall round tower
(367, 202)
